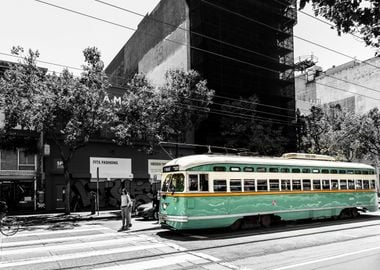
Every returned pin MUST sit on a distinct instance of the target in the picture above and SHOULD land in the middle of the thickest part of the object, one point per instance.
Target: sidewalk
(61, 217)
(38, 219)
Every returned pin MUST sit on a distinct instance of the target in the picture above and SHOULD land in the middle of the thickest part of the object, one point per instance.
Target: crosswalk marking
(71, 256)
(153, 263)
(62, 247)
(56, 240)
(97, 248)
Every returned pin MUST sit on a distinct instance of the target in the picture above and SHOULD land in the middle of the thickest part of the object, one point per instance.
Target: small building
(353, 86)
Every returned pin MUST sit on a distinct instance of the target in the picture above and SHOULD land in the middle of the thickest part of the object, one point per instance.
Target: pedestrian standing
(92, 202)
(126, 208)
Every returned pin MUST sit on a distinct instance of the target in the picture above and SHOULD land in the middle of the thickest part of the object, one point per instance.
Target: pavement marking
(56, 240)
(327, 259)
(71, 256)
(173, 259)
(63, 247)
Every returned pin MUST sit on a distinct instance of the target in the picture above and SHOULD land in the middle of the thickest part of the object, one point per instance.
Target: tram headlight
(164, 206)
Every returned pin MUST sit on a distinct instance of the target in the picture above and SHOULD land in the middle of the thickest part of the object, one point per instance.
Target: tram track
(228, 262)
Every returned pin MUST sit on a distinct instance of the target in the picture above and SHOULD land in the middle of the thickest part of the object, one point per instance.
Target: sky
(60, 36)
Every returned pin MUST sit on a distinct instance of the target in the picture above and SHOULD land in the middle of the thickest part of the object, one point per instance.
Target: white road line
(326, 259)
(62, 231)
(175, 259)
(56, 240)
(72, 256)
(62, 247)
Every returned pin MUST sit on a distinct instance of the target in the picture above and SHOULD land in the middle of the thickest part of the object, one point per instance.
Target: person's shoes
(130, 225)
(121, 229)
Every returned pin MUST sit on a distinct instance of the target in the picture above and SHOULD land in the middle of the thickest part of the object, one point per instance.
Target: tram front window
(174, 183)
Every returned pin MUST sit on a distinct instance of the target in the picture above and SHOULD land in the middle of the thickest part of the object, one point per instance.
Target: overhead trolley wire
(229, 44)
(230, 58)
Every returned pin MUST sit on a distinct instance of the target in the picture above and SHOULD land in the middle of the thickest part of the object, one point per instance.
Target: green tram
(211, 191)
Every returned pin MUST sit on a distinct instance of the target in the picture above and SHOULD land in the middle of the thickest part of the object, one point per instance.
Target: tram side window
(220, 185)
(193, 182)
(373, 184)
(296, 170)
(325, 184)
(203, 182)
(351, 184)
(296, 184)
(343, 184)
(285, 185)
(306, 184)
(274, 185)
(235, 185)
(305, 170)
(325, 171)
(334, 171)
(284, 170)
(249, 169)
(316, 184)
(262, 185)
(358, 184)
(365, 184)
(273, 169)
(249, 185)
(334, 184)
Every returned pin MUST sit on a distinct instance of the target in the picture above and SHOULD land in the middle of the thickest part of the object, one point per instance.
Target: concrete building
(242, 48)
(31, 170)
(355, 86)
(18, 166)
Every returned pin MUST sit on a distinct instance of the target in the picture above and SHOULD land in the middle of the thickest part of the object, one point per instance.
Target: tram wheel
(265, 220)
(354, 213)
(236, 225)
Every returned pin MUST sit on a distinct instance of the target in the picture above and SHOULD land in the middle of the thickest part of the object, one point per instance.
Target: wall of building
(144, 170)
(354, 86)
(151, 31)
(170, 53)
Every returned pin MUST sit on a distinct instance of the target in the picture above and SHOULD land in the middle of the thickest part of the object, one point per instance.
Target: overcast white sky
(60, 36)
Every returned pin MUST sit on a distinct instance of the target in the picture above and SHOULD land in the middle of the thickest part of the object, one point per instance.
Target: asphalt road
(97, 244)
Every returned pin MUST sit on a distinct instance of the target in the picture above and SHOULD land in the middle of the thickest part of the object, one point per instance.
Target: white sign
(111, 168)
(155, 168)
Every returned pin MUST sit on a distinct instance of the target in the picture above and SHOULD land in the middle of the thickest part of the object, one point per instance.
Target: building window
(26, 161)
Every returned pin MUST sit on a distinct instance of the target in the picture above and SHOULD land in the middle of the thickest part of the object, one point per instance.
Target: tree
(242, 128)
(187, 100)
(67, 109)
(370, 132)
(140, 116)
(150, 114)
(351, 16)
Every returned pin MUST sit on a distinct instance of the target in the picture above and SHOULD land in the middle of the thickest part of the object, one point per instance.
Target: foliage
(351, 16)
(246, 130)
(341, 134)
(186, 103)
(139, 117)
(67, 109)
(370, 132)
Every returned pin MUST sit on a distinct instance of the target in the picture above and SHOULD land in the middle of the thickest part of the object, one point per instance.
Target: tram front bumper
(163, 218)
